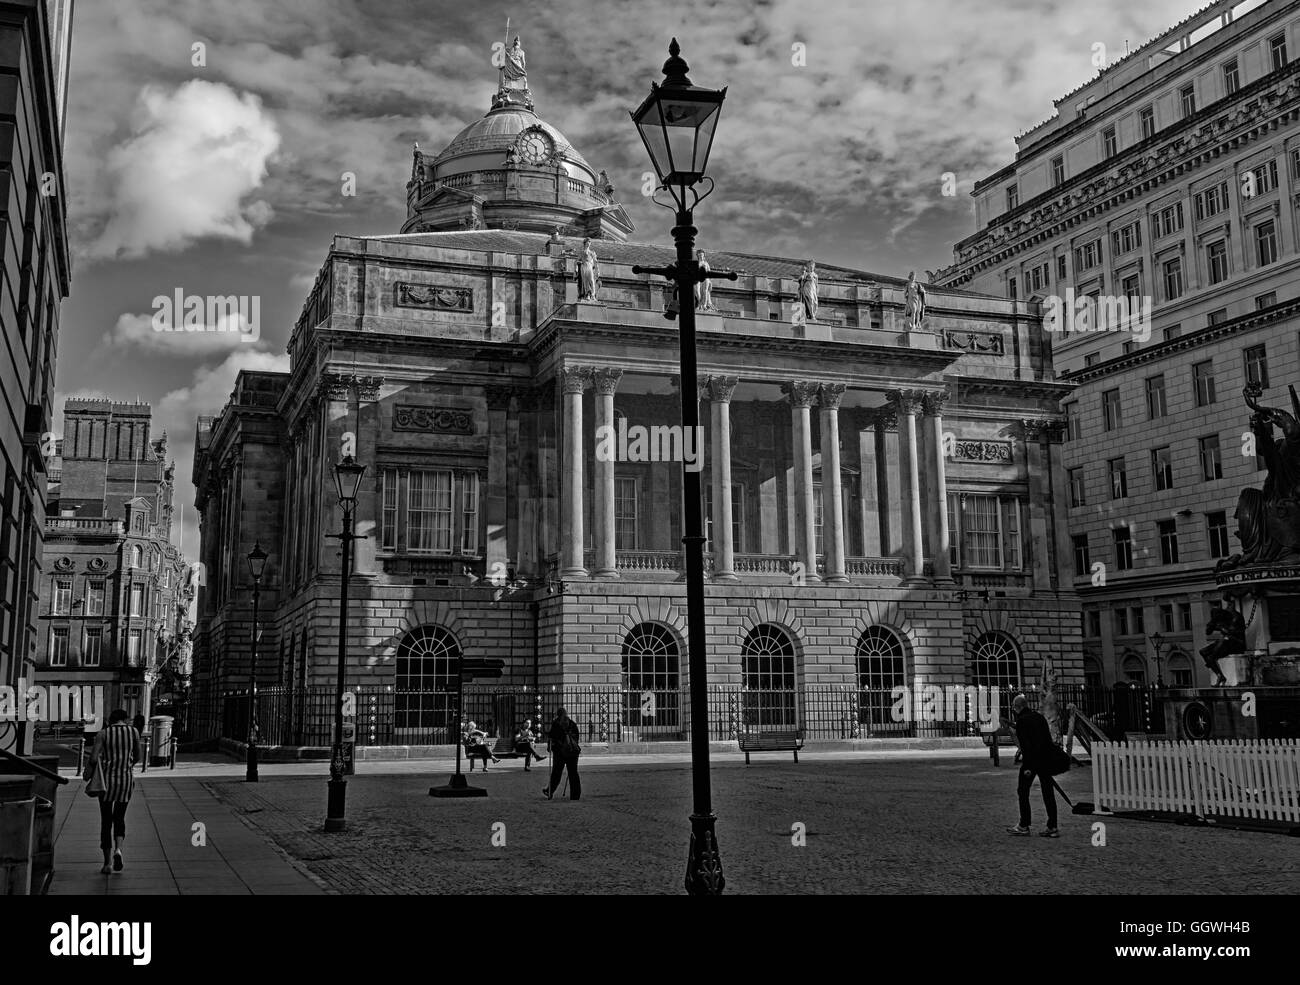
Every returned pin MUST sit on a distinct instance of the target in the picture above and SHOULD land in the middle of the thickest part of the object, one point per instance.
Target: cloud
(196, 155)
(229, 330)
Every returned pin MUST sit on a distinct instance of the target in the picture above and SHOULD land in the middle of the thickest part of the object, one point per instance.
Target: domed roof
(499, 130)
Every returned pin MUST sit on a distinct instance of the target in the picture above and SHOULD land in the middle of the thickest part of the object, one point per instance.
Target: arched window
(995, 662)
(426, 681)
(137, 556)
(1092, 673)
(1180, 670)
(138, 525)
(768, 670)
(882, 666)
(1134, 668)
(652, 682)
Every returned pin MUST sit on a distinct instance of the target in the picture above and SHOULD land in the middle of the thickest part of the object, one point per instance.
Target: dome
(498, 131)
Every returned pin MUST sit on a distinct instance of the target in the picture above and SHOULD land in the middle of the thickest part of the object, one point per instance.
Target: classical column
(574, 380)
(801, 395)
(933, 404)
(832, 490)
(907, 403)
(1034, 540)
(724, 549)
(606, 382)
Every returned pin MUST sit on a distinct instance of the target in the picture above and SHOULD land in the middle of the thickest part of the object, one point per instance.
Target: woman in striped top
(115, 754)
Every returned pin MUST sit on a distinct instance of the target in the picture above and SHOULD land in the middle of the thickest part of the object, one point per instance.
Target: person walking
(114, 755)
(524, 742)
(565, 751)
(1036, 746)
(138, 723)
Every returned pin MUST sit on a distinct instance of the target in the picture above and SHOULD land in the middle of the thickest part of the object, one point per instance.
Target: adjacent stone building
(115, 592)
(880, 488)
(34, 280)
(1171, 180)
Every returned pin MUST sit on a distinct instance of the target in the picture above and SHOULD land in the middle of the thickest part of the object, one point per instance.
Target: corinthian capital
(606, 379)
(831, 394)
(800, 393)
(933, 402)
(905, 401)
(722, 387)
(575, 379)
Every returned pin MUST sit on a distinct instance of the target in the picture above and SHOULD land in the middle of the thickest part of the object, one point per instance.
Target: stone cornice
(1117, 181)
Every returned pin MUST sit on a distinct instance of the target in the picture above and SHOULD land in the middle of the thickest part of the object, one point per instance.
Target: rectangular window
(981, 540)
(137, 600)
(1185, 615)
(1139, 621)
(1087, 256)
(1011, 534)
(1277, 51)
(1266, 243)
(1060, 267)
(1168, 530)
(1173, 270)
(1187, 96)
(1109, 145)
(1110, 410)
(954, 536)
(388, 520)
(1011, 288)
(428, 511)
(1217, 317)
(1130, 348)
(1167, 221)
(1256, 359)
(817, 519)
(469, 514)
(1211, 459)
(1231, 77)
(1216, 525)
(1203, 382)
(58, 646)
(1147, 117)
(1094, 623)
(94, 598)
(1073, 425)
(1266, 300)
(1295, 162)
(1126, 238)
(134, 639)
(625, 514)
(1172, 332)
(1123, 548)
(1211, 202)
(93, 648)
(62, 601)
(1013, 197)
(1263, 178)
(1120, 615)
(1157, 407)
(1166, 618)
(1092, 359)
(1216, 260)
(1082, 563)
(1118, 478)
(1058, 171)
(1162, 469)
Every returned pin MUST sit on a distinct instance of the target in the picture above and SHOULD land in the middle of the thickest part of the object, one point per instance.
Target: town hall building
(880, 465)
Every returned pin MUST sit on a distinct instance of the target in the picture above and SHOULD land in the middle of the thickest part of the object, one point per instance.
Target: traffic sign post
(477, 667)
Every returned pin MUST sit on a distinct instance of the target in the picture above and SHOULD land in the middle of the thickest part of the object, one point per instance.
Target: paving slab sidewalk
(160, 854)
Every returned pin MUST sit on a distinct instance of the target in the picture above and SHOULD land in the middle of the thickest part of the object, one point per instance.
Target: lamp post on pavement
(256, 565)
(676, 122)
(347, 480)
(1156, 640)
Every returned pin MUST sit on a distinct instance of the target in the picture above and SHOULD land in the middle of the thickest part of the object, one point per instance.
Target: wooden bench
(765, 741)
(503, 749)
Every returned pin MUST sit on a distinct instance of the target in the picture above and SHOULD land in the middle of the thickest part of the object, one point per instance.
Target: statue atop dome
(512, 89)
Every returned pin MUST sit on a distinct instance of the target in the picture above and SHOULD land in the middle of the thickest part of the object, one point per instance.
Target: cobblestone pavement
(928, 826)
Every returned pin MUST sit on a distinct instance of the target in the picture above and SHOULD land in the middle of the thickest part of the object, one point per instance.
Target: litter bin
(17, 834)
(160, 741)
(349, 748)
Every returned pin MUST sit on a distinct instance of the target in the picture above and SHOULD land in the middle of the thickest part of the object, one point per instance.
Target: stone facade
(892, 490)
(1172, 178)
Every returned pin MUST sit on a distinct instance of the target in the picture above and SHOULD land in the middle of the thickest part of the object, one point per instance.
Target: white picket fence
(1238, 778)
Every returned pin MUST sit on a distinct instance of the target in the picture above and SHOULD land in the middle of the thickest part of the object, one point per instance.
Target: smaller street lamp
(256, 565)
(347, 482)
(1156, 640)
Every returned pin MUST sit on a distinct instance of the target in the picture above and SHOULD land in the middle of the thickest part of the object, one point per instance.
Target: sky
(207, 144)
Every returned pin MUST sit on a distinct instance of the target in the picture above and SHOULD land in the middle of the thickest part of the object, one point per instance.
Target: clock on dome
(535, 146)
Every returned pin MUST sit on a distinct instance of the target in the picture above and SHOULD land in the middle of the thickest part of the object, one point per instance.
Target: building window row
(1167, 537)
(430, 511)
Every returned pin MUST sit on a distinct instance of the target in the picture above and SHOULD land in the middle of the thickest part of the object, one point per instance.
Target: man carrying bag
(1039, 757)
(565, 751)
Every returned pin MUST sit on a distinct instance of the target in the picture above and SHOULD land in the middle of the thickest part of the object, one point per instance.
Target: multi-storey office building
(115, 592)
(878, 491)
(34, 278)
(1172, 179)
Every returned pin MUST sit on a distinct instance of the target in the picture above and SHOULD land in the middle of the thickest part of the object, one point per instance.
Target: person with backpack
(565, 751)
(1038, 757)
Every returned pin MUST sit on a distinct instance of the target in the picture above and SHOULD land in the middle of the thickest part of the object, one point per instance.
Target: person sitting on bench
(476, 746)
(1228, 630)
(524, 743)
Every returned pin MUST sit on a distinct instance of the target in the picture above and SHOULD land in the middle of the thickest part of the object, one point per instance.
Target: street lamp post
(677, 122)
(1156, 640)
(347, 480)
(256, 565)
